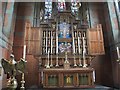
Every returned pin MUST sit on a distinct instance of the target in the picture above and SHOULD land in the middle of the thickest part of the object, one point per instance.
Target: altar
(68, 78)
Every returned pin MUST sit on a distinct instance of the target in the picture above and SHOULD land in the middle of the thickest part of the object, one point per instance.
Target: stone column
(8, 19)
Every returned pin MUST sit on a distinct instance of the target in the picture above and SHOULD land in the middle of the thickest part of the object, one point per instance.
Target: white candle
(51, 44)
(73, 46)
(80, 34)
(46, 45)
(84, 34)
(83, 43)
(79, 44)
(84, 49)
(118, 53)
(83, 54)
(24, 51)
(57, 39)
(56, 44)
(48, 59)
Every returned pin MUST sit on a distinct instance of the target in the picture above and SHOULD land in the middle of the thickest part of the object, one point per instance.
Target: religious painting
(68, 79)
(64, 47)
(64, 30)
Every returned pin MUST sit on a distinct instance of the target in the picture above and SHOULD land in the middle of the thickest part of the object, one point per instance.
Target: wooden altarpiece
(66, 66)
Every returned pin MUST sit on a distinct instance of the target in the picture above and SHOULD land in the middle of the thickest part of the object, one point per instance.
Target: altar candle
(73, 46)
(83, 54)
(57, 44)
(24, 51)
(84, 34)
(83, 43)
(46, 44)
(51, 44)
(79, 44)
(118, 53)
(75, 34)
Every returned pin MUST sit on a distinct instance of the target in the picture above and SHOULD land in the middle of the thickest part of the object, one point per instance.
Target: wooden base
(68, 78)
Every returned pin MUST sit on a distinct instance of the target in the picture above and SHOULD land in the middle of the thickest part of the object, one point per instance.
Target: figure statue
(11, 67)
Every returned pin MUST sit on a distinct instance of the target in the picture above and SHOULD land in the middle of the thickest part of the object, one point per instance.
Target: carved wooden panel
(33, 38)
(68, 78)
(95, 41)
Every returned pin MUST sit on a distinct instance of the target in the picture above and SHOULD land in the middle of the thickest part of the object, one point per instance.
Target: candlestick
(23, 76)
(80, 34)
(46, 45)
(79, 45)
(84, 34)
(73, 46)
(118, 53)
(23, 81)
(56, 44)
(57, 61)
(84, 52)
(75, 34)
(48, 60)
(51, 64)
(44, 42)
(24, 51)
(48, 54)
(84, 61)
(48, 34)
(75, 61)
(51, 44)
(84, 49)
(83, 41)
(57, 37)
(80, 63)
(76, 50)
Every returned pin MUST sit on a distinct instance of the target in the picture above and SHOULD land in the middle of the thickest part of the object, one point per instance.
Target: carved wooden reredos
(63, 34)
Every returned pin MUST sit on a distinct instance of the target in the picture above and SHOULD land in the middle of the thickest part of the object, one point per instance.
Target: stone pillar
(114, 21)
(8, 19)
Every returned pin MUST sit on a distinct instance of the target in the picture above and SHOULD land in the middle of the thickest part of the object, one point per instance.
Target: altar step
(97, 87)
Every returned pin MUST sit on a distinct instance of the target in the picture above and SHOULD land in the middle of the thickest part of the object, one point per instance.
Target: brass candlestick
(51, 64)
(47, 66)
(84, 62)
(80, 63)
(22, 83)
(75, 61)
(57, 61)
(84, 52)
